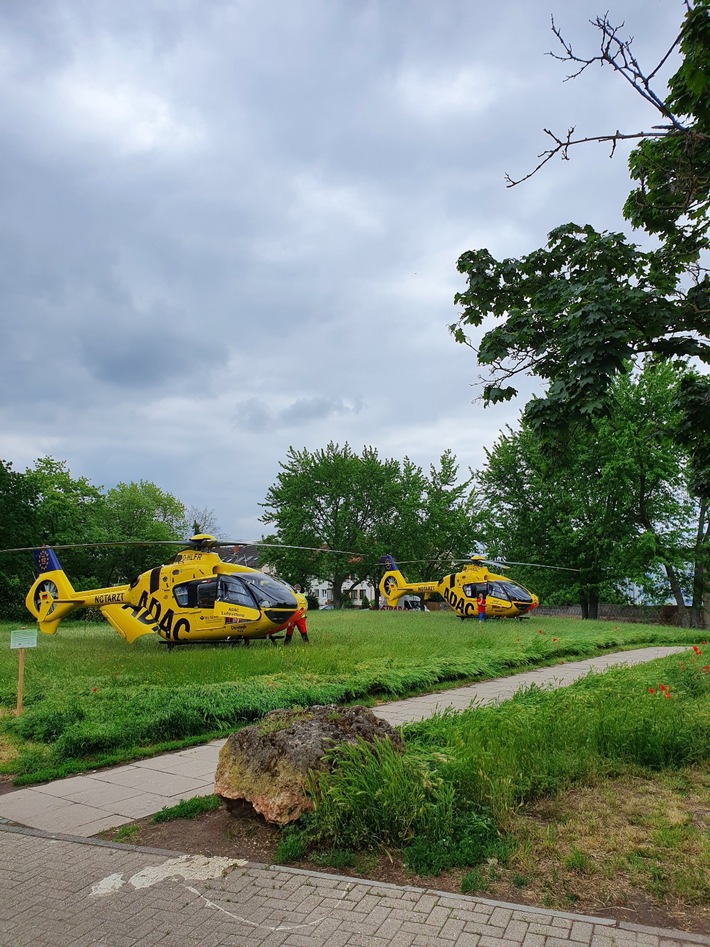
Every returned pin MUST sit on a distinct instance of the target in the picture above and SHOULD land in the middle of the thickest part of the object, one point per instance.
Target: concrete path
(86, 805)
(61, 889)
(502, 688)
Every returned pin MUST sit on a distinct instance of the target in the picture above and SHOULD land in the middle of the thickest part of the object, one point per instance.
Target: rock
(268, 764)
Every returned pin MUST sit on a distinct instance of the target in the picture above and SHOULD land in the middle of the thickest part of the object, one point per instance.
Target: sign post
(24, 638)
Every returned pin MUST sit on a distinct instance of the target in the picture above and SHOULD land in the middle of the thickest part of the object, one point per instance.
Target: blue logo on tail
(389, 564)
(46, 559)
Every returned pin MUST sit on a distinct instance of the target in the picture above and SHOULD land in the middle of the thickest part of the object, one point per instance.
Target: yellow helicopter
(198, 597)
(461, 590)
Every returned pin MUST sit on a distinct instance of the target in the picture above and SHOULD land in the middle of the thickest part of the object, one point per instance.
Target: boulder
(268, 764)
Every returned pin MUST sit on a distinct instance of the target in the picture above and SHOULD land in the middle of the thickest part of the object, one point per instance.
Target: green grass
(445, 800)
(188, 809)
(91, 700)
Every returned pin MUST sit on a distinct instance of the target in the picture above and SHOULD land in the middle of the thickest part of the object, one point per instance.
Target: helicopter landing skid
(221, 642)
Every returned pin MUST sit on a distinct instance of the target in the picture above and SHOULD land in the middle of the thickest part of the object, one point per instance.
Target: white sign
(24, 638)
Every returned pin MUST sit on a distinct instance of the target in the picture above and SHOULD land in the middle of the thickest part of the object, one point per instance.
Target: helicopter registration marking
(112, 598)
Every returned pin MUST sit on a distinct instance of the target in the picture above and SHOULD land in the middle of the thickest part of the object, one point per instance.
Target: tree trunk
(700, 610)
(593, 605)
(683, 612)
(338, 590)
(584, 605)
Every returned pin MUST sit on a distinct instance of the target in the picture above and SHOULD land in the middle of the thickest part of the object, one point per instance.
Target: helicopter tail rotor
(393, 585)
(51, 596)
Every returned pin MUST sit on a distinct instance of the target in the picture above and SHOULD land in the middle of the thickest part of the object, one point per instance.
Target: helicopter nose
(280, 615)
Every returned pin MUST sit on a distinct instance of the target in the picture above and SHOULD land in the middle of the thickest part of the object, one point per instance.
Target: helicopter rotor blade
(184, 543)
(126, 542)
(502, 563)
(534, 565)
(226, 542)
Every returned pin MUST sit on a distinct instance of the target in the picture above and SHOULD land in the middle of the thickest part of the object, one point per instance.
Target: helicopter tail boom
(393, 585)
(52, 596)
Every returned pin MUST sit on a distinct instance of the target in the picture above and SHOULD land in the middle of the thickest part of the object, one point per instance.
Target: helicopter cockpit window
(234, 592)
(511, 592)
(469, 591)
(498, 590)
(207, 594)
(182, 595)
(517, 593)
(268, 592)
(199, 593)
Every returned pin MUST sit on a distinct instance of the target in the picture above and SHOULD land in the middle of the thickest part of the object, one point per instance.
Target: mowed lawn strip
(92, 700)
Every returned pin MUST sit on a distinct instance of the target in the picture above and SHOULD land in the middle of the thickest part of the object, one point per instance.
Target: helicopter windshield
(233, 591)
(511, 591)
(268, 592)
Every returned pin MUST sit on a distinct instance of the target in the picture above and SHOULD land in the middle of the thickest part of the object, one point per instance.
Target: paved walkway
(58, 889)
(491, 692)
(105, 799)
(80, 893)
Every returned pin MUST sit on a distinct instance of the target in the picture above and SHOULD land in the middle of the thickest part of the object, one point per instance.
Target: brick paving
(71, 892)
(61, 890)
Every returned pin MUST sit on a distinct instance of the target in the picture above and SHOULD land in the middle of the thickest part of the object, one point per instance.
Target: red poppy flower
(667, 695)
(93, 690)
(651, 690)
(696, 649)
(539, 631)
(662, 686)
(555, 639)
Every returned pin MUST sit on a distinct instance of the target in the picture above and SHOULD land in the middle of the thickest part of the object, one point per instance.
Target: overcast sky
(232, 226)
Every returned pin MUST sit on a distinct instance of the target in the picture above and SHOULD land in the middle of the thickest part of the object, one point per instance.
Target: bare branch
(614, 52)
(617, 54)
(562, 146)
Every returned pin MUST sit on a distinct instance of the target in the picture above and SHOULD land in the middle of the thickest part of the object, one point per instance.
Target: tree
(66, 510)
(336, 499)
(202, 520)
(672, 161)
(579, 311)
(64, 506)
(447, 526)
(616, 505)
(692, 402)
(17, 515)
(572, 517)
(137, 512)
(575, 313)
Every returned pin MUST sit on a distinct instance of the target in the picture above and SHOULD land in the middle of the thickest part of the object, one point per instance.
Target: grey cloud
(205, 204)
(256, 416)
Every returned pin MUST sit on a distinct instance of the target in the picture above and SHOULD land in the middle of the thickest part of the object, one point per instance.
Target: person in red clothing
(481, 606)
(298, 621)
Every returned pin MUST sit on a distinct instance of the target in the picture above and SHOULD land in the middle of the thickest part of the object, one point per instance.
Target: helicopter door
(207, 594)
(498, 600)
(235, 600)
(199, 593)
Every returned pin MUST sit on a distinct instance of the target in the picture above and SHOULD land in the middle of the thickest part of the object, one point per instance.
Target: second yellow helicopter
(461, 590)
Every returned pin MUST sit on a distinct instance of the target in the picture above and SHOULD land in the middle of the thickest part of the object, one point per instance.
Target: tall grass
(462, 771)
(90, 699)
